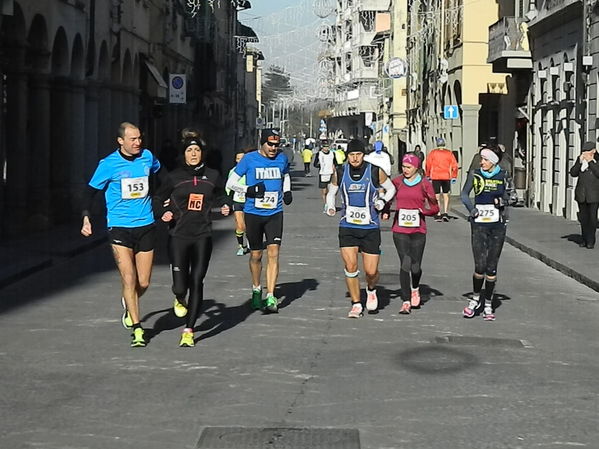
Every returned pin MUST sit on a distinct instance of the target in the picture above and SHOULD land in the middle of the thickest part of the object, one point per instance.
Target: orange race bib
(196, 201)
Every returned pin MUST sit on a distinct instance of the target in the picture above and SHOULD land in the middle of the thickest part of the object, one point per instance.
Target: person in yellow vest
(339, 155)
(307, 157)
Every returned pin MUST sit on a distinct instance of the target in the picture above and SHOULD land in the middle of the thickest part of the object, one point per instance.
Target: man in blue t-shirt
(124, 176)
(267, 186)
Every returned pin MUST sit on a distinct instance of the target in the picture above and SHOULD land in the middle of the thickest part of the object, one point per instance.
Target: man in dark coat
(586, 194)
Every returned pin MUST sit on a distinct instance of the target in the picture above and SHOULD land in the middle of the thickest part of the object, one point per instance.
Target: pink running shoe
(488, 314)
(406, 308)
(355, 311)
(415, 300)
(470, 310)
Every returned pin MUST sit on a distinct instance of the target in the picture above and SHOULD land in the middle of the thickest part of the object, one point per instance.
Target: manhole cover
(483, 341)
(278, 438)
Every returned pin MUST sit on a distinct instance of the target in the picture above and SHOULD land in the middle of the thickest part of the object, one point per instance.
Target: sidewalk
(550, 239)
(24, 256)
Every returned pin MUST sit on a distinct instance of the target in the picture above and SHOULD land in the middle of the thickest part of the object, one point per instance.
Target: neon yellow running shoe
(139, 339)
(180, 309)
(187, 340)
(126, 320)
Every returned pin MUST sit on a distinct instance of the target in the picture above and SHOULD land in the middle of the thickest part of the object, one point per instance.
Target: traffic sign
(451, 112)
(177, 88)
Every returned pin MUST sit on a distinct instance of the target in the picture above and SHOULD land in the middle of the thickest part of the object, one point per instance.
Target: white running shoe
(372, 301)
(355, 311)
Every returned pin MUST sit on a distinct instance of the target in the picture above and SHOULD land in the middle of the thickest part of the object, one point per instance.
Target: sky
(288, 32)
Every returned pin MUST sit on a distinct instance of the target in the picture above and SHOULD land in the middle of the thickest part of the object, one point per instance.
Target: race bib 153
(133, 188)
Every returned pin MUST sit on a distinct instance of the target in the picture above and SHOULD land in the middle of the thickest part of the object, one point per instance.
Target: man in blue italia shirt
(267, 187)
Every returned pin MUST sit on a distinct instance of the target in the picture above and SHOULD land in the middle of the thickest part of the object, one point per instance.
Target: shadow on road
(385, 296)
(574, 238)
(290, 291)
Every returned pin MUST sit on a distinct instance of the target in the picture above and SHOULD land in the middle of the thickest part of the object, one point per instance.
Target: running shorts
(237, 207)
(367, 240)
(323, 184)
(441, 186)
(140, 239)
(259, 228)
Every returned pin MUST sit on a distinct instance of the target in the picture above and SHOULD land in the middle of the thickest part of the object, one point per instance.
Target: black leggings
(487, 243)
(189, 264)
(410, 249)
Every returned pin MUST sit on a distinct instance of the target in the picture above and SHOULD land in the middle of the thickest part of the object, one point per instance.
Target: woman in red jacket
(415, 199)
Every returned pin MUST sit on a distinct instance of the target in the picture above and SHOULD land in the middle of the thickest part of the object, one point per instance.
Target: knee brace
(350, 274)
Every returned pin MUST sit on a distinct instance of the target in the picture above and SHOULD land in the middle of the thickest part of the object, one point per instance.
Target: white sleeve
(389, 190)
(286, 183)
(233, 183)
(331, 196)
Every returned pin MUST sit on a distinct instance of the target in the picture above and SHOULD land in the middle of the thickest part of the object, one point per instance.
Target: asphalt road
(430, 380)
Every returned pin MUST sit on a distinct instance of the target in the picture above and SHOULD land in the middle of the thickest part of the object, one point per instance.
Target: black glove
(474, 213)
(256, 191)
(499, 203)
(287, 198)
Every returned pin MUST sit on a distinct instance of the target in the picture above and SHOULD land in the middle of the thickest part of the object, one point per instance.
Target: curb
(552, 263)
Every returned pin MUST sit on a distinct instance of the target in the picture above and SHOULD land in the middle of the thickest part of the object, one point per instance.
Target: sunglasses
(272, 144)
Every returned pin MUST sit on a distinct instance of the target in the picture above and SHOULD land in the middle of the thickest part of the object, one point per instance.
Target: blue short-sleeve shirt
(258, 168)
(127, 188)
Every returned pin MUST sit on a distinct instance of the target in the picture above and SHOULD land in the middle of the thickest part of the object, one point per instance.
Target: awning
(246, 33)
(160, 87)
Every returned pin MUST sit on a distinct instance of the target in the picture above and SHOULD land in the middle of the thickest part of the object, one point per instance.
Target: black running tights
(189, 264)
(410, 249)
(487, 243)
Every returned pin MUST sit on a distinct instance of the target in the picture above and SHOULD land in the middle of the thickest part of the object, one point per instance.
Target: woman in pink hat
(415, 199)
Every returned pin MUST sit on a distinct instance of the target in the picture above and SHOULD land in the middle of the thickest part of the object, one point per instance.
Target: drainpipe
(91, 43)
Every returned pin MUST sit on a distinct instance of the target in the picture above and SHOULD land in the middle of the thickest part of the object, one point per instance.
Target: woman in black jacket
(586, 169)
(192, 191)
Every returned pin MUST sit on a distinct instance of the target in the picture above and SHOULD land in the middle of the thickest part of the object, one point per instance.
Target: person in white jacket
(326, 162)
(380, 157)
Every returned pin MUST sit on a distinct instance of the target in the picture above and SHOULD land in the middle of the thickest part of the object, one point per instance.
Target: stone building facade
(72, 70)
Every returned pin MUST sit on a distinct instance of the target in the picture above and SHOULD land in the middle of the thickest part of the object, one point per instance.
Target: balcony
(372, 5)
(508, 46)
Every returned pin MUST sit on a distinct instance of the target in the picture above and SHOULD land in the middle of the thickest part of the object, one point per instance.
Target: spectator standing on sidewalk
(420, 154)
(442, 169)
(586, 194)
